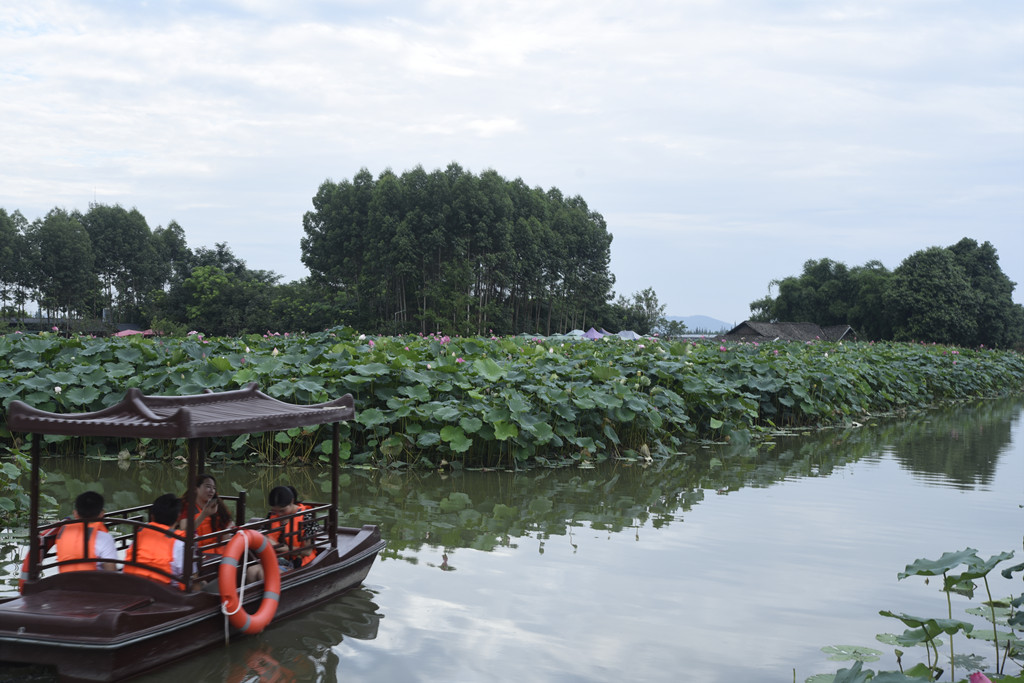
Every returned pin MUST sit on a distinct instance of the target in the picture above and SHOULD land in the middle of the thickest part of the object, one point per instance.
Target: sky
(724, 142)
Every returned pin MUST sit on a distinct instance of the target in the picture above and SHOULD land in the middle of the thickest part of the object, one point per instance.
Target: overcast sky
(725, 142)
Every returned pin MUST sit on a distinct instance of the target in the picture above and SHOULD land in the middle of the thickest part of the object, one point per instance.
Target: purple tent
(592, 334)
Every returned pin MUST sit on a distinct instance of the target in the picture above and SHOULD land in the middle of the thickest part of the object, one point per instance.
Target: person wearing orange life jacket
(210, 513)
(91, 539)
(157, 545)
(287, 535)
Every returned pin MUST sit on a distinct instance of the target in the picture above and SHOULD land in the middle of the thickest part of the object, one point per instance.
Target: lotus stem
(949, 610)
(995, 636)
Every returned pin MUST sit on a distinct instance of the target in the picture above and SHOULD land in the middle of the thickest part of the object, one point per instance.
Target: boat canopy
(226, 413)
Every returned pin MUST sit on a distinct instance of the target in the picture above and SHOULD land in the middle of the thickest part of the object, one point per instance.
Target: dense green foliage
(953, 295)
(455, 251)
(508, 401)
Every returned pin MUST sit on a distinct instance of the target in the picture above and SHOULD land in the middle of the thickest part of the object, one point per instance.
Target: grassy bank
(503, 401)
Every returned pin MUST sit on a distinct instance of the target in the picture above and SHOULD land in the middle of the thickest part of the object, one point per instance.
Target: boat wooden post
(194, 448)
(240, 518)
(33, 522)
(335, 479)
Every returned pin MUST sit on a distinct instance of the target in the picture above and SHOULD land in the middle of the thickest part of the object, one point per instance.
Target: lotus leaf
(846, 652)
(942, 565)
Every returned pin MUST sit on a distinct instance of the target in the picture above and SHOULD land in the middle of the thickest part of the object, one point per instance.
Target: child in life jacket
(153, 547)
(288, 536)
(91, 539)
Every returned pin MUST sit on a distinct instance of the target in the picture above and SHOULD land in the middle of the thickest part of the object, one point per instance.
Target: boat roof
(224, 413)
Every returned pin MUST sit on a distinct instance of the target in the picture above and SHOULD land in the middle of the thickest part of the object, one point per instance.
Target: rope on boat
(241, 591)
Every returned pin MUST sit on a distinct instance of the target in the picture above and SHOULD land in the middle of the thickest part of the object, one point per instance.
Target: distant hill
(702, 322)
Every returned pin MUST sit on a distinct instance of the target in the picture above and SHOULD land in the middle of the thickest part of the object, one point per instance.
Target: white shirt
(105, 547)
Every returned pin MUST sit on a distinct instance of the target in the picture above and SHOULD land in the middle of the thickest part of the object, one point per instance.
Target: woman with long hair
(210, 513)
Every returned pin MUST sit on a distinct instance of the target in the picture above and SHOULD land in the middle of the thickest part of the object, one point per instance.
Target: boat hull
(107, 626)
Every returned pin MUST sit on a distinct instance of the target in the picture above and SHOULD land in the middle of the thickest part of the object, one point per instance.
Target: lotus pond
(731, 563)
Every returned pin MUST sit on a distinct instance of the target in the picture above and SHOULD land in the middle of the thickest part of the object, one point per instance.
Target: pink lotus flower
(979, 677)
(55, 328)
(459, 360)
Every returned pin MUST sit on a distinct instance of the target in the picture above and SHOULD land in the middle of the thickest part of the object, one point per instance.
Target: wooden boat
(106, 626)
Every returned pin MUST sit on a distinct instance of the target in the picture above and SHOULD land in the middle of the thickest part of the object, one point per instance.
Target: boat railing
(314, 531)
(123, 540)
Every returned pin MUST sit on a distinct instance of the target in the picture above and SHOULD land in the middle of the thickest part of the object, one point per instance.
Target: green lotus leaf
(312, 386)
(38, 345)
(428, 439)
(118, 370)
(542, 432)
(372, 369)
(220, 363)
(392, 446)
(268, 366)
(244, 376)
(990, 635)
(517, 404)
(456, 438)
(445, 413)
(948, 561)
(63, 378)
(931, 627)
(490, 370)
(420, 392)
(129, 354)
(81, 396)
(603, 373)
(505, 430)
(370, 417)
(38, 382)
(841, 653)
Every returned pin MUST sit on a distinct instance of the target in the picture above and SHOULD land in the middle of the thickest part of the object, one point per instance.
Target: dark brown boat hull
(105, 626)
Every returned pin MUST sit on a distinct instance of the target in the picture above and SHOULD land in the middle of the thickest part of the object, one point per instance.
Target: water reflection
(301, 649)
(487, 510)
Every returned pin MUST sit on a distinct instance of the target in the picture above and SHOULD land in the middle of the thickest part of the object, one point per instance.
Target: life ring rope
(231, 601)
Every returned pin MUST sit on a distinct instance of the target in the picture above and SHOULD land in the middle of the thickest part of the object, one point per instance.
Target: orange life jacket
(155, 549)
(206, 527)
(71, 545)
(289, 532)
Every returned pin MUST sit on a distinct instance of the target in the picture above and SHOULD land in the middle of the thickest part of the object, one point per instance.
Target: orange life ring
(227, 575)
(24, 573)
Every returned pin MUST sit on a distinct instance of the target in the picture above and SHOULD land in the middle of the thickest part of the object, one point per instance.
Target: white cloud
(816, 119)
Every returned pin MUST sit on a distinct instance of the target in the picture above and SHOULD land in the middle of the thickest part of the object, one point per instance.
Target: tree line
(418, 252)
(451, 250)
(953, 295)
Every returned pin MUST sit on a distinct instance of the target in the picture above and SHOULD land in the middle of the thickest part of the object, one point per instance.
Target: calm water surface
(734, 564)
